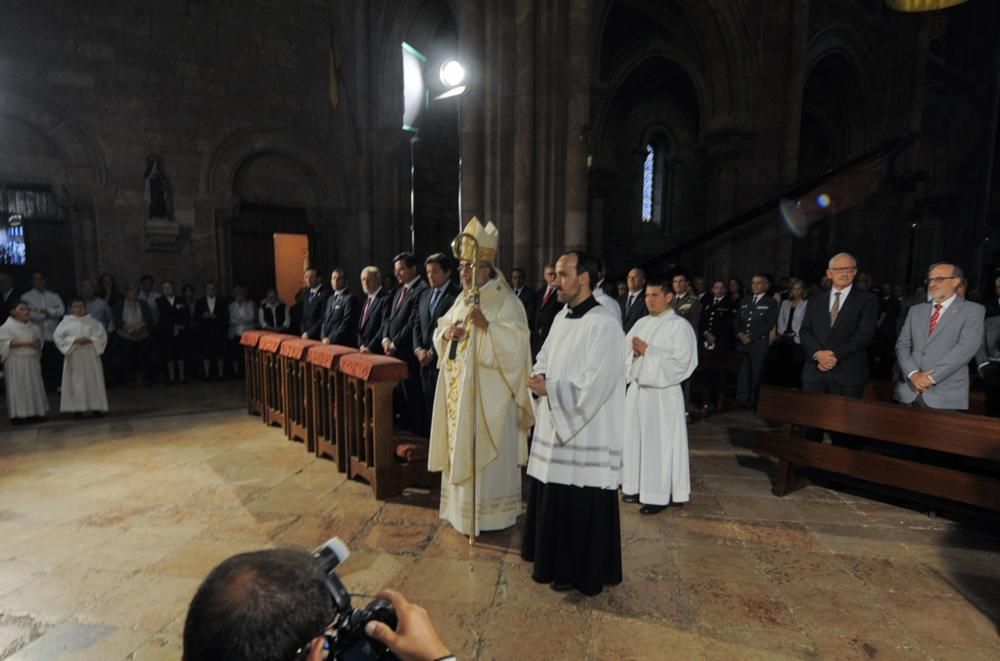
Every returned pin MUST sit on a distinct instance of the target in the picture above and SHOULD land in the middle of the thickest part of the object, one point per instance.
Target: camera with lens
(346, 635)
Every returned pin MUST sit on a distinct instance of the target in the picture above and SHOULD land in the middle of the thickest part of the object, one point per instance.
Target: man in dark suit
(993, 302)
(7, 296)
(313, 306)
(434, 301)
(752, 326)
(988, 364)
(372, 311)
(340, 320)
(548, 308)
(633, 305)
(397, 340)
(715, 344)
(837, 328)
(211, 322)
(524, 293)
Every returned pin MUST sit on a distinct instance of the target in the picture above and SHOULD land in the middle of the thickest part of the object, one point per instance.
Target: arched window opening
(648, 177)
(655, 183)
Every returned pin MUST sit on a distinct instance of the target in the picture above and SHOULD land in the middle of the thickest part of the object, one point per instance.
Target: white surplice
(83, 376)
(578, 428)
(502, 409)
(22, 370)
(655, 461)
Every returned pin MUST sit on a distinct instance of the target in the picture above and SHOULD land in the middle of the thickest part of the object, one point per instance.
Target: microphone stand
(465, 247)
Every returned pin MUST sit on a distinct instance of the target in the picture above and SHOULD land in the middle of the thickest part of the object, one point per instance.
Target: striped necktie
(934, 318)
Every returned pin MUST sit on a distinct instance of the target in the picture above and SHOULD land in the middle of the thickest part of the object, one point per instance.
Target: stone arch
(840, 54)
(723, 64)
(241, 146)
(83, 163)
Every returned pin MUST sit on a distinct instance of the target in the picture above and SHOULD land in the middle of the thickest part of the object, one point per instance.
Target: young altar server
(82, 339)
(661, 351)
(21, 351)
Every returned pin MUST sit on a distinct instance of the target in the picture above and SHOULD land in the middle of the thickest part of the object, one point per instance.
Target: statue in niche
(157, 193)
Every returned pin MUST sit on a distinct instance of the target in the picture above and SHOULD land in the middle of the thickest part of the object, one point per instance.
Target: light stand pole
(452, 75)
(413, 185)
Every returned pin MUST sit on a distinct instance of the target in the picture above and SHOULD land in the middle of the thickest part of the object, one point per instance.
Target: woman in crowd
(273, 315)
(786, 356)
(242, 317)
(134, 324)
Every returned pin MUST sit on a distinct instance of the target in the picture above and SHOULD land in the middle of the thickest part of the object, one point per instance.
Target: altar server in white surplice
(20, 351)
(572, 530)
(661, 351)
(82, 339)
(499, 413)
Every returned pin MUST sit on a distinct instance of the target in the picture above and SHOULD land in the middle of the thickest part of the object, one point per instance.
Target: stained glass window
(647, 183)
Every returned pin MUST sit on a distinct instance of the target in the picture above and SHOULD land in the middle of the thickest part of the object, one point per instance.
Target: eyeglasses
(844, 269)
(938, 279)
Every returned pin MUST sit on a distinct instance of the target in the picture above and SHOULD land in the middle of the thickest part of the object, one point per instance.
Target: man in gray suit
(937, 342)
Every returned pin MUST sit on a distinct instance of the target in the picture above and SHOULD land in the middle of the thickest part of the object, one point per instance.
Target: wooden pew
(270, 371)
(326, 402)
(295, 390)
(883, 391)
(251, 368)
(961, 434)
(371, 448)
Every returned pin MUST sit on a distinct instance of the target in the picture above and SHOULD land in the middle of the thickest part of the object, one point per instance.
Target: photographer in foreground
(280, 605)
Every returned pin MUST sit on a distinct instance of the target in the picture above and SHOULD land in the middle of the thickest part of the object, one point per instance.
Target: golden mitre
(483, 244)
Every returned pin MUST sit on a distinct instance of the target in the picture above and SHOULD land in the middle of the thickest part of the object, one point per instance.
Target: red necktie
(934, 318)
(545, 299)
(402, 295)
(368, 308)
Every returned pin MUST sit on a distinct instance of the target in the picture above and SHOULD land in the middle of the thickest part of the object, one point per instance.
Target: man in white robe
(82, 339)
(572, 529)
(20, 351)
(47, 310)
(661, 352)
(496, 413)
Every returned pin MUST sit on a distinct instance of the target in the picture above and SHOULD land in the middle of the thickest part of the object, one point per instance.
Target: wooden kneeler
(295, 389)
(270, 371)
(251, 370)
(326, 402)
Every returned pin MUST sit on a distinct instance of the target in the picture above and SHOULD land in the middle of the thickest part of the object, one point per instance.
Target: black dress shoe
(630, 498)
(560, 586)
(652, 509)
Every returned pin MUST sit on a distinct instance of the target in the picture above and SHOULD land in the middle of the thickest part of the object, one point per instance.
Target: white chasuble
(499, 414)
(83, 376)
(655, 461)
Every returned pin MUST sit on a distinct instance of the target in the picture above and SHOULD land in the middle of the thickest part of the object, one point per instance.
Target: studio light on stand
(452, 76)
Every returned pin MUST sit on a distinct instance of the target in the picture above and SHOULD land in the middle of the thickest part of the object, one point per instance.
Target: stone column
(524, 132)
(577, 68)
(470, 39)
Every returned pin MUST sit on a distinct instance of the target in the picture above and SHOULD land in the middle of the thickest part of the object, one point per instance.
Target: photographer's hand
(415, 638)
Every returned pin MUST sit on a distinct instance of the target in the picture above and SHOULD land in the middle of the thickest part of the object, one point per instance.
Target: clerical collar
(583, 308)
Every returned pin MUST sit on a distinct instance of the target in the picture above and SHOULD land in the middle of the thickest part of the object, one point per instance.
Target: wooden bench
(905, 427)
(251, 369)
(371, 441)
(326, 402)
(295, 390)
(269, 347)
(883, 391)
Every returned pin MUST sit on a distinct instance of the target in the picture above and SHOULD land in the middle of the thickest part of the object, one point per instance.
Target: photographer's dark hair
(260, 606)
(586, 264)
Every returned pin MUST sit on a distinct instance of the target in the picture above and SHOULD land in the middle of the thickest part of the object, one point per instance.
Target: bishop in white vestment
(82, 339)
(661, 351)
(496, 412)
(20, 351)
(572, 528)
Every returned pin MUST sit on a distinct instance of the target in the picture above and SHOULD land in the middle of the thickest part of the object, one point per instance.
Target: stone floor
(107, 527)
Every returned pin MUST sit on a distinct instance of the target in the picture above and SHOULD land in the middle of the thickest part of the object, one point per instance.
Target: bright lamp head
(452, 73)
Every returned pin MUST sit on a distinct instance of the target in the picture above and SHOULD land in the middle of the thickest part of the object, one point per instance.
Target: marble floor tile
(95, 516)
